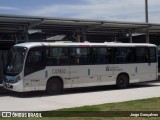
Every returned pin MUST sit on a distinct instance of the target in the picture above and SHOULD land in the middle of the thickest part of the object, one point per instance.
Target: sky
(117, 10)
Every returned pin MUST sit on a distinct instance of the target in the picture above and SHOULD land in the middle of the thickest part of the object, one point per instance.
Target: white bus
(58, 65)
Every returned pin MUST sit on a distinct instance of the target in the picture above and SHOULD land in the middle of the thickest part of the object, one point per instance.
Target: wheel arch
(55, 77)
(125, 73)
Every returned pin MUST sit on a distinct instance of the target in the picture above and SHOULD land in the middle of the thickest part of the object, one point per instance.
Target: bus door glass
(34, 68)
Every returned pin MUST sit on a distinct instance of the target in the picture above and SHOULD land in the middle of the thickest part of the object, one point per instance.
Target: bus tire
(122, 81)
(54, 86)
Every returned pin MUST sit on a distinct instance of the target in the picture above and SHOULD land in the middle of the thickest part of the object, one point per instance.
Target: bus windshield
(15, 60)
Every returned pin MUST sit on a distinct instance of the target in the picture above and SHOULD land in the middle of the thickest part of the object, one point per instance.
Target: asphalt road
(40, 101)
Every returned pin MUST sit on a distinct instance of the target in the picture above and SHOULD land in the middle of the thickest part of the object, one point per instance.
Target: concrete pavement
(39, 101)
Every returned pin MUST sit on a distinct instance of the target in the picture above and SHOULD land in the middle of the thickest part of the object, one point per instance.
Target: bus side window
(79, 56)
(142, 55)
(124, 55)
(99, 55)
(152, 55)
(110, 55)
(74, 60)
(121, 55)
(57, 56)
(130, 57)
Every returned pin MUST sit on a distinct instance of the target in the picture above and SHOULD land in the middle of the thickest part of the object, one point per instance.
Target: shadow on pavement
(4, 92)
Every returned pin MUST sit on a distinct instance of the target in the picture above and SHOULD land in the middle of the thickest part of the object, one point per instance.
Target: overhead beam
(93, 27)
(34, 24)
(11, 28)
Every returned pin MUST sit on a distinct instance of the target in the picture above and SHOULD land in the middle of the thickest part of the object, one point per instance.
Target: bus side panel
(137, 72)
(129, 69)
(103, 74)
(92, 75)
(147, 71)
(34, 81)
(38, 80)
(58, 71)
(80, 75)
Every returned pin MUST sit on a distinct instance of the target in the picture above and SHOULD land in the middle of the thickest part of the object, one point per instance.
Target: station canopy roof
(14, 24)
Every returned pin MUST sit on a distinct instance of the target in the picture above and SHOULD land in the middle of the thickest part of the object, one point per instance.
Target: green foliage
(152, 104)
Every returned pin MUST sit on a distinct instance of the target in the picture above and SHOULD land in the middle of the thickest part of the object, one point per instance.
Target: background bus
(58, 65)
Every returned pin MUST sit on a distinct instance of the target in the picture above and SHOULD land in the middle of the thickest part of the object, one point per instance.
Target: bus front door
(34, 73)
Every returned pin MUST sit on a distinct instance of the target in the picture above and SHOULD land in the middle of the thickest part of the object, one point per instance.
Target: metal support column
(130, 36)
(15, 39)
(146, 18)
(115, 38)
(146, 11)
(26, 34)
(78, 38)
(78, 35)
(147, 36)
(83, 34)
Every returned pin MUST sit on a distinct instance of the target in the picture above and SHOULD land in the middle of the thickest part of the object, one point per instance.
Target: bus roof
(84, 44)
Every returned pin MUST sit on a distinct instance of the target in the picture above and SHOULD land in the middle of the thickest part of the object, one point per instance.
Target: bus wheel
(122, 81)
(54, 86)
